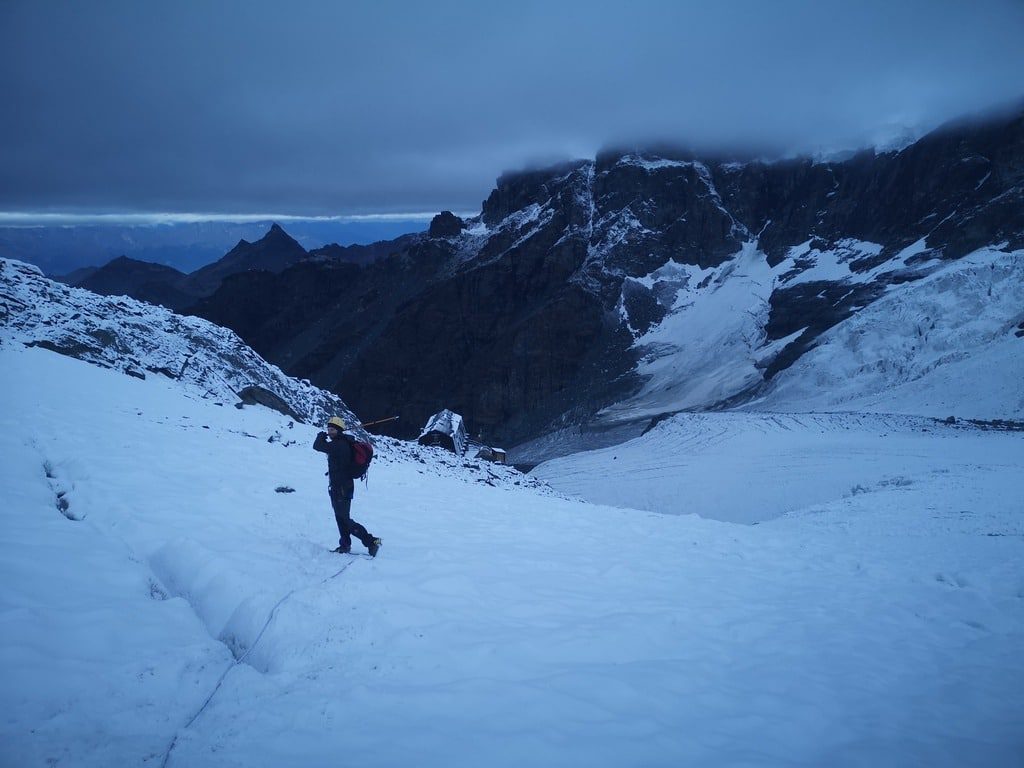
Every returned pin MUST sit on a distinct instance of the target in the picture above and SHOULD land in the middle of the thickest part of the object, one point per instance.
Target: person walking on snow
(339, 469)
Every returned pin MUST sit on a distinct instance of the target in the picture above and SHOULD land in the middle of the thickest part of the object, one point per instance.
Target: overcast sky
(333, 108)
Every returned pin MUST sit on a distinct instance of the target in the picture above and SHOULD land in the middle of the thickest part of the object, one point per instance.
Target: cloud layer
(323, 108)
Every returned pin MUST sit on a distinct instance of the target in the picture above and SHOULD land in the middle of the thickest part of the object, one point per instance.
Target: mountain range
(605, 294)
(63, 246)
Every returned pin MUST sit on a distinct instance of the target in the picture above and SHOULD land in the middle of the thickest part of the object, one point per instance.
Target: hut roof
(445, 421)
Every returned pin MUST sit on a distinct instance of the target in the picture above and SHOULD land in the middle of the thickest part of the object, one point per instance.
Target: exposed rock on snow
(138, 338)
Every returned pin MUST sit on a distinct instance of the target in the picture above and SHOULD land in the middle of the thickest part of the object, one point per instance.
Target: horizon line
(42, 219)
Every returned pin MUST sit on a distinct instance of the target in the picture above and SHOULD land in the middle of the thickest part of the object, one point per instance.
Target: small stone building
(447, 430)
(487, 453)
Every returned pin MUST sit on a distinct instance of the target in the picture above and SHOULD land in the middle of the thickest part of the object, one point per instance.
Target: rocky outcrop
(138, 339)
(255, 395)
(446, 224)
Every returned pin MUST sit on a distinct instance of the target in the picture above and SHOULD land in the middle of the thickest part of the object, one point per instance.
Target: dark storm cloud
(330, 108)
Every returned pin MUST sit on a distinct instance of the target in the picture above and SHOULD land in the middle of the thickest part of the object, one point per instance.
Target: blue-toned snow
(163, 604)
(500, 626)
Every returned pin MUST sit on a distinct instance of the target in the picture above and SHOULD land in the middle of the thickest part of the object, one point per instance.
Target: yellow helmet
(336, 422)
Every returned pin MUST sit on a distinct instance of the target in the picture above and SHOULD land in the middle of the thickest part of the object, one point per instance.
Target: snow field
(752, 467)
(499, 626)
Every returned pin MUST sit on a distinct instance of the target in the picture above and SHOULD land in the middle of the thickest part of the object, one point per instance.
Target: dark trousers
(347, 527)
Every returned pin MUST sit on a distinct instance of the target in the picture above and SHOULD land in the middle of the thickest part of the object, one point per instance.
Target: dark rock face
(516, 191)
(363, 254)
(506, 353)
(532, 323)
(446, 224)
(155, 283)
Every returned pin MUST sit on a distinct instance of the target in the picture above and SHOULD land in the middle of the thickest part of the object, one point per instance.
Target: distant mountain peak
(278, 236)
(274, 252)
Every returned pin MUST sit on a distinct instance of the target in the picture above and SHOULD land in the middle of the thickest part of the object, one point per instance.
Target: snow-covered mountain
(646, 281)
(168, 602)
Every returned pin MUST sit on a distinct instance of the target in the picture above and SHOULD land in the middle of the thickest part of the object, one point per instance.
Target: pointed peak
(277, 234)
(277, 238)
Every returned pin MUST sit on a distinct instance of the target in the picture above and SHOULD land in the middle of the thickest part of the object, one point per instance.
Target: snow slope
(705, 350)
(929, 336)
(949, 344)
(164, 606)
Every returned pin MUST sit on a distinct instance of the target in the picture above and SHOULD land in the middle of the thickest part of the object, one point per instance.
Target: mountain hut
(447, 430)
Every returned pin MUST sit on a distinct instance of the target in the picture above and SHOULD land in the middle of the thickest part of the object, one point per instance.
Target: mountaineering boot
(373, 547)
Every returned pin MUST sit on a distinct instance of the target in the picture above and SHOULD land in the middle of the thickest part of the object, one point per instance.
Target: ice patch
(705, 349)
(939, 346)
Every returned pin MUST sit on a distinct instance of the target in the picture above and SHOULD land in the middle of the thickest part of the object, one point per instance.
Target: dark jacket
(339, 463)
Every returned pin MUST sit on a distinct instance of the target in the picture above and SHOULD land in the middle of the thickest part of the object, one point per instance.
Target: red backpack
(362, 455)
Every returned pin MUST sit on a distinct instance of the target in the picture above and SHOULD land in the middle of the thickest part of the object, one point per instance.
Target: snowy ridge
(518, 227)
(210, 362)
(138, 338)
(652, 164)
